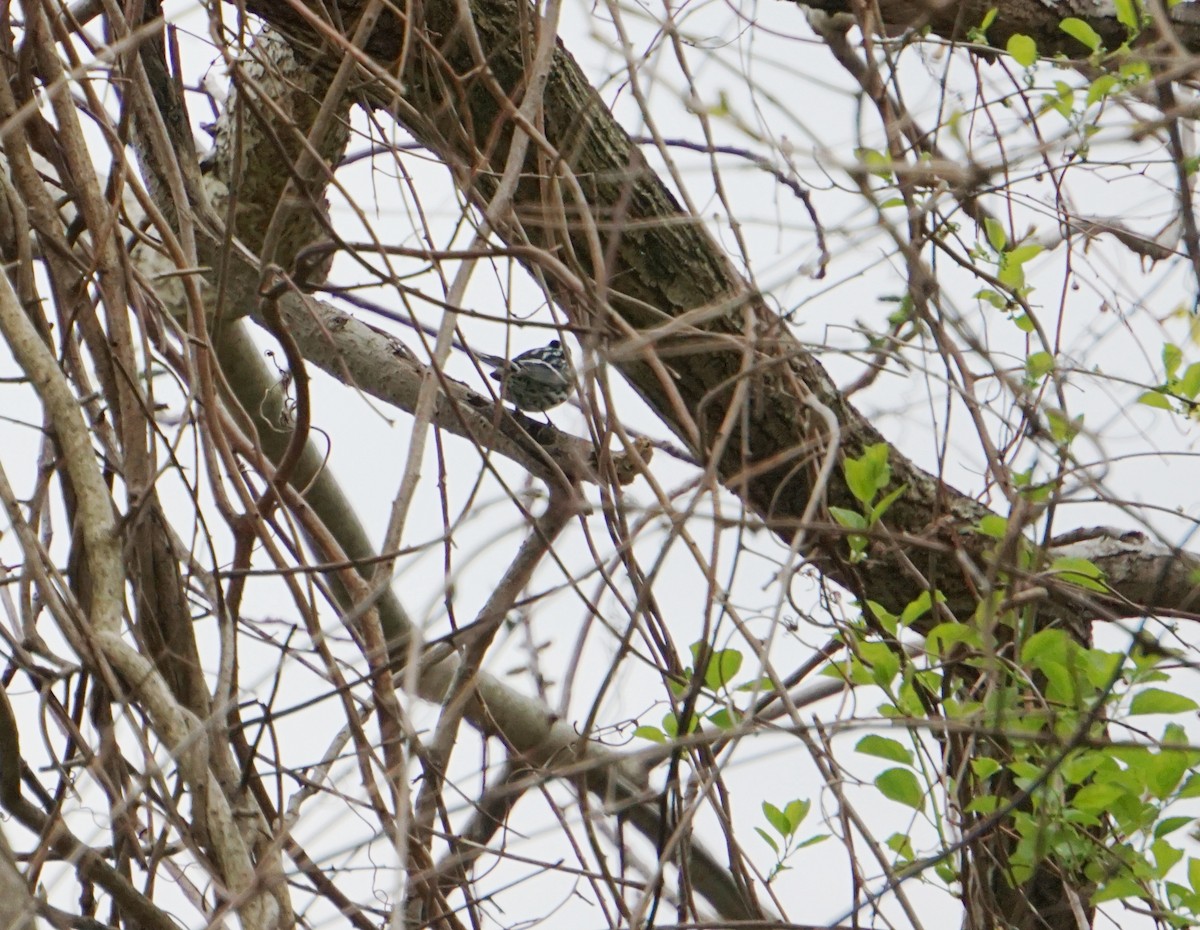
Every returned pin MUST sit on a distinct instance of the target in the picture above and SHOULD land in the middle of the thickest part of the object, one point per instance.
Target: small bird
(536, 380)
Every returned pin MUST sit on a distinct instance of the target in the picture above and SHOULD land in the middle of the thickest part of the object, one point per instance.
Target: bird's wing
(492, 361)
(543, 374)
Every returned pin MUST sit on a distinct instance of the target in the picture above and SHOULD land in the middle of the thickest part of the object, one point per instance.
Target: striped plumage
(534, 381)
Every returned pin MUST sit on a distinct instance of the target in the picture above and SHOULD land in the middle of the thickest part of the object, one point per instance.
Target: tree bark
(638, 274)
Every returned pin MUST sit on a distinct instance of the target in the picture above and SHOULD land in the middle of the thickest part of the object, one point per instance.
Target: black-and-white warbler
(536, 380)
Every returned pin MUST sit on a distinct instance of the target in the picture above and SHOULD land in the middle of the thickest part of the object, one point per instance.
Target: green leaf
(868, 474)
(1129, 16)
(883, 662)
(901, 785)
(1080, 572)
(1062, 429)
(1024, 50)
(1010, 275)
(1025, 770)
(670, 724)
(777, 819)
(1098, 798)
(1189, 384)
(723, 665)
(1154, 399)
(1063, 102)
(1116, 889)
(1080, 31)
(770, 840)
(1061, 685)
(1102, 668)
(944, 635)
(850, 519)
(882, 507)
(796, 811)
(1038, 493)
(901, 845)
(1038, 365)
(886, 619)
(654, 734)
(995, 298)
(1165, 772)
(1158, 701)
(1020, 254)
(1135, 70)
(983, 804)
(1172, 357)
(996, 236)
(1191, 788)
(1079, 768)
(916, 609)
(992, 525)
(1170, 825)
(1101, 88)
(1175, 739)
(757, 685)
(878, 163)
(1165, 857)
(1180, 896)
(1135, 758)
(1046, 646)
(985, 767)
(884, 748)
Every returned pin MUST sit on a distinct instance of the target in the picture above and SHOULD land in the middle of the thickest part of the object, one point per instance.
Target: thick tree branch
(1040, 21)
(704, 350)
